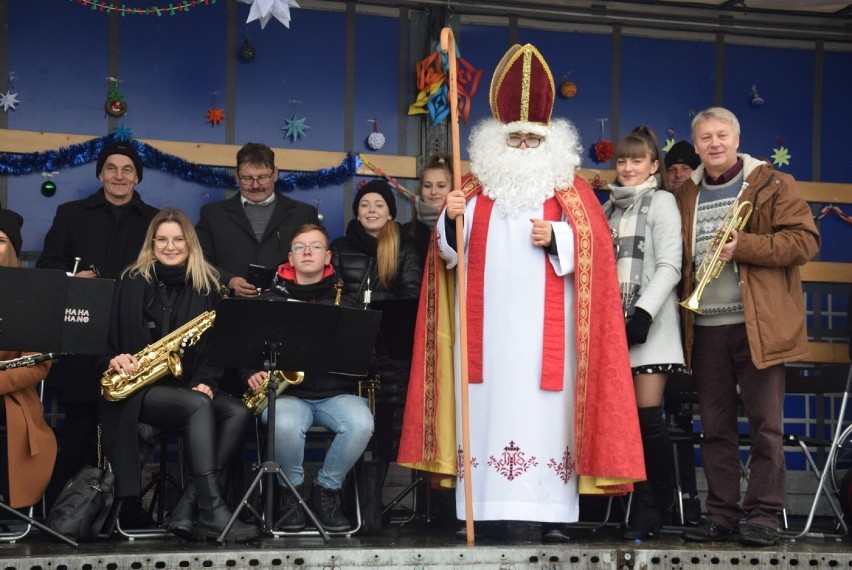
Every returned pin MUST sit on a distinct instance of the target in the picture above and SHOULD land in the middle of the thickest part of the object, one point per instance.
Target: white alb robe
(522, 437)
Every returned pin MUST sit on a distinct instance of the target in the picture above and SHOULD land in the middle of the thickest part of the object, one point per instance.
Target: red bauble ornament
(604, 150)
(568, 89)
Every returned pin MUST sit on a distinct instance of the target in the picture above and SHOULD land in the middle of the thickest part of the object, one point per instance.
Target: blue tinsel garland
(214, 176)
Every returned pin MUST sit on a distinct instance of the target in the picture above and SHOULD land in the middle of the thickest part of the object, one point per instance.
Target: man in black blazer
(253, 227)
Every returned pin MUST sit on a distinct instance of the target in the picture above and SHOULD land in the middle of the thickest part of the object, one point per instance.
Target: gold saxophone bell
(257, 400)
(711, 266)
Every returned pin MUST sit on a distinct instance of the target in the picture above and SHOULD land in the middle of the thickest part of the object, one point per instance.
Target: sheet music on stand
(46, 310)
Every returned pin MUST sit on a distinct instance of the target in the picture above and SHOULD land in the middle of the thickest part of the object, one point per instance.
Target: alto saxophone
(157, 359)
(257, 400)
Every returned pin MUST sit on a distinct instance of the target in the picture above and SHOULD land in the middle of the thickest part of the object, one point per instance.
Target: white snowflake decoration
(8, 101)
(265, 10)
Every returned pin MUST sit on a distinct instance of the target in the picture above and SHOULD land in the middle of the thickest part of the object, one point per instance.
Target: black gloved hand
(638, 326)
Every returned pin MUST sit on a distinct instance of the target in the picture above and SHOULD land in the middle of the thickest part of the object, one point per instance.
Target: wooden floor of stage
(418, 546)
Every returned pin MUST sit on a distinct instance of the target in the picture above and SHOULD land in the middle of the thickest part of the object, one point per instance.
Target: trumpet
(711, 266)
(257, 400)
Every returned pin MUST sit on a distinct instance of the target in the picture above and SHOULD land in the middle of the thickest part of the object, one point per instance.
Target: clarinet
(30, 360)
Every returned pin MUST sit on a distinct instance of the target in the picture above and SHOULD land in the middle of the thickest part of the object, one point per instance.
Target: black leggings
(213, 429)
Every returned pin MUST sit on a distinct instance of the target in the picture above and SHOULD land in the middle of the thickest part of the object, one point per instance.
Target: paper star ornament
(669, 144)
(781, 156)
(215, 115)
(8, 101)
(294, 127)
(265, 10)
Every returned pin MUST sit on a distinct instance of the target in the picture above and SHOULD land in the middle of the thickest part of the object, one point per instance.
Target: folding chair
(159, 484)
(827, 485)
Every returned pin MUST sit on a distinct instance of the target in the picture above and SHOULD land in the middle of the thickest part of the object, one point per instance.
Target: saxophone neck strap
(168, 300)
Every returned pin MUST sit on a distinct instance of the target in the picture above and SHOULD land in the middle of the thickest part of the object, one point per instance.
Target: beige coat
(31, 442)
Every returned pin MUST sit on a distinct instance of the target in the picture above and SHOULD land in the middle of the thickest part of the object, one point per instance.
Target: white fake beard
(522, 179)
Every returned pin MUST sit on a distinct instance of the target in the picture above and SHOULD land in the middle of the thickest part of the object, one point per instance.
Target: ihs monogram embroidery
(512, 462)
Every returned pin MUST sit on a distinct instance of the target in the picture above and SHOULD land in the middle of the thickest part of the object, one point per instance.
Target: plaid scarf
(629, 237)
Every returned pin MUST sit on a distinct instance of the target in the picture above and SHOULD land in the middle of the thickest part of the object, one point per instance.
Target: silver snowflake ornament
(8, 101)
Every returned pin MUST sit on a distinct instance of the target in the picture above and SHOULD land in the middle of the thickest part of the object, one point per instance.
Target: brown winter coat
(31, 442)
(779, 237)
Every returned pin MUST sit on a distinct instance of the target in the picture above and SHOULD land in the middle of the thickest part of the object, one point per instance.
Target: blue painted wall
(173, 69)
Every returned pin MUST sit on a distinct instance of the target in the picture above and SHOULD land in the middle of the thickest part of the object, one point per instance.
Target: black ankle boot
(291, 516)
(644, 517)
(326, 506)
(214, 514)
(181, 520)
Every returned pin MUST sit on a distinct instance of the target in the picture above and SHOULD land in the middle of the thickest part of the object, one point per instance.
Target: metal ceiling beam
(785, 25)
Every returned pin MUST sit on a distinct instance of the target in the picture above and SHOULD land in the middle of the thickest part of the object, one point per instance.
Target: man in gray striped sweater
(751, 320)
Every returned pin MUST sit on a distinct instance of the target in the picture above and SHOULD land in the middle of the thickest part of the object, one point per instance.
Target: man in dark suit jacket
(253, 227)
(106, 231)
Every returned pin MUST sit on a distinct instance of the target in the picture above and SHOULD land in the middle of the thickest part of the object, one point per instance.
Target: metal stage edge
(424, 549)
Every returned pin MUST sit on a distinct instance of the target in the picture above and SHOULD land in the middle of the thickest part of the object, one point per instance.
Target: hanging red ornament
(115, 105)
(604, 149)
(215, 115)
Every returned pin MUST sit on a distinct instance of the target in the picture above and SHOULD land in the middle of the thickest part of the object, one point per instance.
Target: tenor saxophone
(157, 359)
(257, 400)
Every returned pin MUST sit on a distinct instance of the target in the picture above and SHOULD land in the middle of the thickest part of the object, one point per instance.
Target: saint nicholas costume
(552, 407)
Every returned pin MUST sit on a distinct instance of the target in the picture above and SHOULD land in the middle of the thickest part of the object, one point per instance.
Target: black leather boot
(214, 514)
(653, 499)
(181, 520)
(659, 460)
(644, 517)
(326, 506)
(291, 516)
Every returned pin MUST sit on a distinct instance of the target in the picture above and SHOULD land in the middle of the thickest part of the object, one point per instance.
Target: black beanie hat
(120, 147)
(376, 187)
(10, 224)
(682, 153)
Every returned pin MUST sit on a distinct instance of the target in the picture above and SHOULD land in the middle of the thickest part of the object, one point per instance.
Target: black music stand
(45, 310)
(271, 335)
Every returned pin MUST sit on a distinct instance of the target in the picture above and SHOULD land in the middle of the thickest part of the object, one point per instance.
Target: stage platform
(420, 548)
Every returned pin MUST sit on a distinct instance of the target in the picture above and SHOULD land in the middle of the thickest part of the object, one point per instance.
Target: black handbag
(83, 504)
